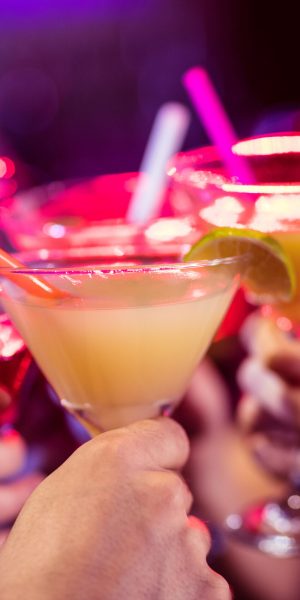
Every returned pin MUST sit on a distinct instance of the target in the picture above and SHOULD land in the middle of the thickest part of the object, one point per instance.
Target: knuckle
(210, 585)
(161, 495)
(145, 442)
(225, 589)
(174, 492)
(120, 447)
(179, 435)
(218, 586)
(199, 531)
(113, 447)
(153, 433)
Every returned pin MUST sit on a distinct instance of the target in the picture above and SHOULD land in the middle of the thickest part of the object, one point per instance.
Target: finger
(14, 495)
(261, 337)
(253, 329)
(197, 542)
(179, 494)
(198, 525)
(286, 365)
(196, 545)
(293, 400)
(165, 494)
(247, 413)
(277, 457)
(12, 453)
(163, 442)
(269, 390)
(154, 443)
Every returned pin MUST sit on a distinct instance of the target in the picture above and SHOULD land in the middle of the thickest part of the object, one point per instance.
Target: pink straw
(217, 124)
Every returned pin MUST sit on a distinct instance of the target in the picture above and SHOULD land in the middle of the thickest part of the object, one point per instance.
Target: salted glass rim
(259, 146)
(110, 269)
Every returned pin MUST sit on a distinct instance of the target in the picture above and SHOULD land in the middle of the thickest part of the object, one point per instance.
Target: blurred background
(80, 85)
(80, 82)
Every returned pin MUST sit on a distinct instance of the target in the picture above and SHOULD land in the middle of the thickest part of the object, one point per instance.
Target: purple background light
(81, 82)
(34, 12)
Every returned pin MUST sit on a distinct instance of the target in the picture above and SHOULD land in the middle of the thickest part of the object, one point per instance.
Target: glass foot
(272, 527)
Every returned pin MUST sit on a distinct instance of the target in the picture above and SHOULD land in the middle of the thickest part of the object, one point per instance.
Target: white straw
(169, 129)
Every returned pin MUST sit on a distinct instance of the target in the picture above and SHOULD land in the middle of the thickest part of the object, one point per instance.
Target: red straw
(32, 284)
(217, 124)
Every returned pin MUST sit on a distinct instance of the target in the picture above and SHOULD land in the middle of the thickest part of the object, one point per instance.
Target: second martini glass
(269, 206)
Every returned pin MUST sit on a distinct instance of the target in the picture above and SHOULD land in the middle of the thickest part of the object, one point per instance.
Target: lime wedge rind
(268, 274)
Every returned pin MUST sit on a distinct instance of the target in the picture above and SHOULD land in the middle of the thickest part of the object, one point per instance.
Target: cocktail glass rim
(247, 148)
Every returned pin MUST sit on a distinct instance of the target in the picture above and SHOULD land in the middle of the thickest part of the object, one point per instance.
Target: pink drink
(14, 363)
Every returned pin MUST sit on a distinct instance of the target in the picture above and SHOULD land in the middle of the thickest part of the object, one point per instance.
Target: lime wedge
(268, 274)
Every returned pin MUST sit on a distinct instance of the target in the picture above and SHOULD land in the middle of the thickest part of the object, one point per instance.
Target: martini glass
(65, 214)
(204, 189)
(71, 215)
(127, 330)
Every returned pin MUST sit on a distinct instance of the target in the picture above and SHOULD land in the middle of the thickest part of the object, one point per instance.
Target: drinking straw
(169, 129)
(215, 120)
(32, 284)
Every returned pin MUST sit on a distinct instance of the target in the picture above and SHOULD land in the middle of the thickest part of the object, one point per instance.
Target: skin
(269, 412)
(111, 524)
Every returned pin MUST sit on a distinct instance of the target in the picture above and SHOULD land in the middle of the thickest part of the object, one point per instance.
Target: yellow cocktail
(123, 341)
